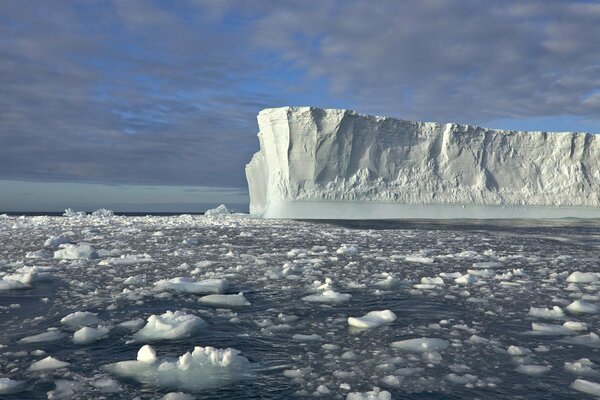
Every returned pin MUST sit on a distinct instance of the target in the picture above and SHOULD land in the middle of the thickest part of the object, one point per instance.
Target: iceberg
(338, 164)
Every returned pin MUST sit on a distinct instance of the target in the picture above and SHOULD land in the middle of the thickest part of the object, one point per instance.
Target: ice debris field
(213, 307)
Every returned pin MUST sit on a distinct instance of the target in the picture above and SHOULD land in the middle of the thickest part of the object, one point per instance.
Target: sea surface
(480, 287)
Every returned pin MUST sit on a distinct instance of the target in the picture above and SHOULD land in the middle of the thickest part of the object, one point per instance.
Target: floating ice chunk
(582, 307)
(146, 354)
(204, 368)
(128, 259)
(80, 318)
(582, 277)
(170, 325)
(533, 370)
(419, 259)
(55, 241)
(87, 335)
(177, 396)
(590, 340)
(69, 212)
(9, 284)
(432, 281)
(545, 313)
(517, 351)
(576, 326)
(461, 379)
(347, 249)
(487, 265)
(328, 296)
(466, 279)
(65, 389)
(49, 336)
(230, 300)
(37, 254)
(8, 386)
(132, 324)
(106, 385)
(103, 213)
(373, 319)
(189, 285)
(450, 275)
(550, 329)
(421, 345)
(392, 380)
(80, 251)
(307, 338)
(586, 387)
(218, 211)
(48, 363)
(583, 366)
(375, 394)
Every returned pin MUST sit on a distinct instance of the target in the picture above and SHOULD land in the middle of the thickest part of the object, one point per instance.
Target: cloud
(152, 92)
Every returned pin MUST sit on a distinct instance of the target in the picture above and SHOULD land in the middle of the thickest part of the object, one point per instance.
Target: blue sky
(137, 94)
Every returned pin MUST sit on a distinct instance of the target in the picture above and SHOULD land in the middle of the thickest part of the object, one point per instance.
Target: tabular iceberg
(330, 163)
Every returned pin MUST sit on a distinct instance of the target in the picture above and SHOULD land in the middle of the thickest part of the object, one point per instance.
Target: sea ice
(375, 394)
(421, 345)
(189, 285)
(202, 369)
(582, 307)
(8, 386)
(48, 363)
(230, 300)
(545, 313)
(76, 252)
(87, 335)
(170, 325)
(49, 336)
(533, 370)
(219, 211)
(582, 277)
(587, 387)
(80, 318)
(328, 296)
(372, 319)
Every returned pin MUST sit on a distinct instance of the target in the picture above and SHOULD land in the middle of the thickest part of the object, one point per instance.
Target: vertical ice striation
(329, 163)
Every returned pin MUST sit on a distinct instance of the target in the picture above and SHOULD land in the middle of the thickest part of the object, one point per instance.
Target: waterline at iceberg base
(328, 163)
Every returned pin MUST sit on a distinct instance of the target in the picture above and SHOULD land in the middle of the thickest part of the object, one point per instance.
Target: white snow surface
(331, 163)
(170, 325)
(202, 369)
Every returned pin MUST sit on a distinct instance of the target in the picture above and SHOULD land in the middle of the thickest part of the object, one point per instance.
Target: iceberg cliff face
(328, 163)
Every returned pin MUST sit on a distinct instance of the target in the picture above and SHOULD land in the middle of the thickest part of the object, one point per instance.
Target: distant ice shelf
(338, 164)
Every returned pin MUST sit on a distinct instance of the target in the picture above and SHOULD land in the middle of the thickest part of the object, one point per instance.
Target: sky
(161, 97)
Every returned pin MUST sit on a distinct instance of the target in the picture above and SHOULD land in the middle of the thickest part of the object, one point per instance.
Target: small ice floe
(48, 363)
(426, 280)
(576, 326)
(189, 285)
(307, 338)
(80, 318)
(135, 323)
(347, 249)
(82, 251)
(87, 335)
(170, 325)
(419, 260)
(488, 265)
(587, 387)
(328, 296)
(466, 279)
(375, 394)
(461, 379)
(389, 281)
(421, 345)
(103, 213)
(25, 278)
(582, 307)
(533, 370)
(128, 259)
(517, 351)
(590, 340)
(541, 329)
(583, 366)
(547, 313)
(177, 396)
(229, 300)
(202, 369)
(106, 385)
(372, 319)
(219, 211)
(582, 277)
(55, 241)
(50, 336)
(38, 254)
(9, 386)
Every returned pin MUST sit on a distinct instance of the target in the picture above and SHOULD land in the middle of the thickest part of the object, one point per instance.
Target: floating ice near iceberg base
(338, 164)
(170, 325)
(204, 368)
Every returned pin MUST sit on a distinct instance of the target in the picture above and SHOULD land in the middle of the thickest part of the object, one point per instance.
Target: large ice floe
(329, 163)
(330, 310)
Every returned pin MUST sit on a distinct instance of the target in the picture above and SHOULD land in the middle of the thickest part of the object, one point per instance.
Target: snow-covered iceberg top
(329, 163)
